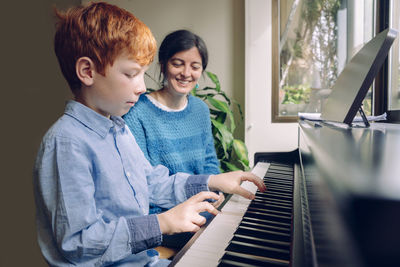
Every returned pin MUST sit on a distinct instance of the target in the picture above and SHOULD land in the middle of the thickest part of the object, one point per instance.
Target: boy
(92, 183)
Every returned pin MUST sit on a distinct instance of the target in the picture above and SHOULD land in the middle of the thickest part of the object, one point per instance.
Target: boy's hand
(230, 183)
(185, 217)
(221, 199)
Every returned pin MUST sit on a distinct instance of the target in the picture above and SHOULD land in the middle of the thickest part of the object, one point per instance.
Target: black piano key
(280, 188)
(266, 201)
(282, 176)
(266, 210)
(285, 230)
(263, 238)
(281, 180)
(258, 250)
(274, 196)
(269, 217)
(266, 234)
(239, 259)
(270, 207)
(266, 222)
(263, 242)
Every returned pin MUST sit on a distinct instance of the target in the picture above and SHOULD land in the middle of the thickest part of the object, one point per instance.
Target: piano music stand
(364, 118)
(355, 80)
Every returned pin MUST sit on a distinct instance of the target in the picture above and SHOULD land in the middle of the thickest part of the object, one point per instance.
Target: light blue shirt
(92, 187)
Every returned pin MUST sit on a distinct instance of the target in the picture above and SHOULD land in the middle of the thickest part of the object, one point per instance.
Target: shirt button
(128, 174)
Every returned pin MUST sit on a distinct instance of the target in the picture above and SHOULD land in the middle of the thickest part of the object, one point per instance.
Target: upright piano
(334, 201)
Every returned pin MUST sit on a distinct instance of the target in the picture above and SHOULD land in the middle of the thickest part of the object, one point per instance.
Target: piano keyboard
(249, 233)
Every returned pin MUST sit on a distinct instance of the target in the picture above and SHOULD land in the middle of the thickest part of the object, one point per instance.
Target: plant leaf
(222, 106)
(230, 166)
(245, 167)
(241, 151)
(226, 137)
(215, 80)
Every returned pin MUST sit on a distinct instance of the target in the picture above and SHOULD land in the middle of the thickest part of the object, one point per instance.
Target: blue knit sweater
(182, 141)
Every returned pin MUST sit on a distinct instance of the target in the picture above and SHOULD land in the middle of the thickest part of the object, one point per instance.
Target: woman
(171, 126)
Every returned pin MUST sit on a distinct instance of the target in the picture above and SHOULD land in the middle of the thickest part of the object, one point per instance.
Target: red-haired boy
(92, 183)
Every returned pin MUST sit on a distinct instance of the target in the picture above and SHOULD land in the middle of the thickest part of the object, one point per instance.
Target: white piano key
(210, 246)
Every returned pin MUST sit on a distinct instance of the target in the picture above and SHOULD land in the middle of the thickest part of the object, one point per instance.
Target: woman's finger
(248, 176)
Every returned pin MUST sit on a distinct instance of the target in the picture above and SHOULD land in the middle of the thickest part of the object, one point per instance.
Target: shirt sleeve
(66, 195)
(168, 191)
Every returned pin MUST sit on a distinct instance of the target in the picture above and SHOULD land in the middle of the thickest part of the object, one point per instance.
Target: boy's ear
(85, 70)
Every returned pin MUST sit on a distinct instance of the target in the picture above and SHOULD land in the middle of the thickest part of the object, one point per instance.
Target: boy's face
(120, 88)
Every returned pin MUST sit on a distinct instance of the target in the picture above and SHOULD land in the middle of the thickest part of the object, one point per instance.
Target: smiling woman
(171, 126)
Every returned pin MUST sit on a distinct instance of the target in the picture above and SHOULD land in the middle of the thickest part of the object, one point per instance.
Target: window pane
(317, 38)
(394, 82)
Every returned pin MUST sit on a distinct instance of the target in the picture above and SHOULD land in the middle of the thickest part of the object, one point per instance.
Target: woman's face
(183, 70)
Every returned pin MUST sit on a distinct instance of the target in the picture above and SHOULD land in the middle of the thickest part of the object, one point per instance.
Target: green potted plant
(231, 152)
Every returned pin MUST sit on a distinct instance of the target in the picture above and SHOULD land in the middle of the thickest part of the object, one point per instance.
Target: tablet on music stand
(356, 78)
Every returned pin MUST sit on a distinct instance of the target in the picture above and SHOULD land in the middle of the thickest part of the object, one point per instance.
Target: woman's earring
(197, 86)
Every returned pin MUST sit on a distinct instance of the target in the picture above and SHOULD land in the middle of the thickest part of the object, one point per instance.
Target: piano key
(214, 239)
(261, 241)
(258, 250)
(238, 259)
(239, 217)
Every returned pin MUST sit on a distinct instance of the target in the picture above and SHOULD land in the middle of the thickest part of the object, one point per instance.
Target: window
(312, 42)
(394, 60)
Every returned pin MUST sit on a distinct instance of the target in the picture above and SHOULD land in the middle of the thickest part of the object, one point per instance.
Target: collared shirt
(92, 187)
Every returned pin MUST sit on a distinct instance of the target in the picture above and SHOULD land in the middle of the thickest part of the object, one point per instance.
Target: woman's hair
(101, 32)
(178, 41)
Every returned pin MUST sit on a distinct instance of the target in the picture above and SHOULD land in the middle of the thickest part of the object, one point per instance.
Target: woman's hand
(185, 217)
(229, 182)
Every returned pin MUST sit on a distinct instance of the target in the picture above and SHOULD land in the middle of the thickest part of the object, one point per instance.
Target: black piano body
(349, 196)
(346, 196)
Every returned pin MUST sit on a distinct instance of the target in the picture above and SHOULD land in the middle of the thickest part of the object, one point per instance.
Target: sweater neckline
(161, 111)
(162, 106)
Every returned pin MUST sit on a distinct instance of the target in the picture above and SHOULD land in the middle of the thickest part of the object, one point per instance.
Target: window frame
(380, 86)
(275, 68)
(393, 116)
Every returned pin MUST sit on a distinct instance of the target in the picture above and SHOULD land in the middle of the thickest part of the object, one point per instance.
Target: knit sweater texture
(182, 141)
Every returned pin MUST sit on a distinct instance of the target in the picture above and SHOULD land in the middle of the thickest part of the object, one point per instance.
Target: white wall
(261, 135)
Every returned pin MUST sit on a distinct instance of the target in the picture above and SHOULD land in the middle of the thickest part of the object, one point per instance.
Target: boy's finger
(206, 206)
(194, 228)
(203, 196)
(199, 220)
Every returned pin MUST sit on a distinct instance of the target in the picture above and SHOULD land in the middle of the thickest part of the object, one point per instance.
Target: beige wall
(34, 92)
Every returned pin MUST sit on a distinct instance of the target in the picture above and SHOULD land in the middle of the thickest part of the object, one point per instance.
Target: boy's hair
(101, 32)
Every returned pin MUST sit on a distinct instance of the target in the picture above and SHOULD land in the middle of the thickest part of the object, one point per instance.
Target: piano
(334, 201)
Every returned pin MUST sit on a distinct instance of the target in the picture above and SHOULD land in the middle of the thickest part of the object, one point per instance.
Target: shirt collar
(93, 120)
